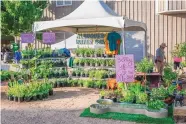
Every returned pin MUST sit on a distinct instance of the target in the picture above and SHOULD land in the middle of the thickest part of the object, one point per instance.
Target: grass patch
(127, 117)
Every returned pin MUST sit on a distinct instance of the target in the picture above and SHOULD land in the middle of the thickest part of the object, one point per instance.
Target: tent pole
(123, 39)
(65, 39)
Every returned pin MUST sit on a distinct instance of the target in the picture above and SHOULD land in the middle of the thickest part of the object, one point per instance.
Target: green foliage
(141, 98)
(159, 93)
(169, 75)
(18, 16)
(144, 66)
(179, 50)
(128, 96)
(171, 89)
(155, 104)
(102, 93)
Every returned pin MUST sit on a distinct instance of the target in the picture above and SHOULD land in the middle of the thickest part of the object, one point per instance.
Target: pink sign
(27, 38)
(177, 59)
(49, 37)
(125, 68)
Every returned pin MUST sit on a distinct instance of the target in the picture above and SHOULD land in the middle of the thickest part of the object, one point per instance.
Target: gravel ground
(63, 108)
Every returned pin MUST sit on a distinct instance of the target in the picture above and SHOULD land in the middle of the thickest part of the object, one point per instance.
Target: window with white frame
(63, 2)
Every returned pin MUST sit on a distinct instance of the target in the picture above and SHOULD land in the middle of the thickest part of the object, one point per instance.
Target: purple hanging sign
(49, 37)
(125, 68)
(27, 38)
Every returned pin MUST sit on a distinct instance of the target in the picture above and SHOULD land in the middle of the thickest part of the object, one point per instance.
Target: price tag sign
(27, 38)
(49, 37)
(125, 68)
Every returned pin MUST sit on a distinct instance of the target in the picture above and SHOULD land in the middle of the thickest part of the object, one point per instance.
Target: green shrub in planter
(128, 96)
(92, 62)
(92, 73)
(155, 104)
(141, 98)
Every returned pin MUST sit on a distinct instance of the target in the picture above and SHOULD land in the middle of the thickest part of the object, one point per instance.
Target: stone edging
(100, 109)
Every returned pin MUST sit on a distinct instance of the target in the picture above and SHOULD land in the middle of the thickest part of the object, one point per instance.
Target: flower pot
(102, 97)
(27, 99)
(55, 85)
(15, 98)
(11, 98)
(20, 99)
(114, 99)
(58, 85)
(34, 98)
(40, 96)
(51, 92)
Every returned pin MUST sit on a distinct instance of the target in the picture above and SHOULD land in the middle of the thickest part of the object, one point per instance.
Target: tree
(18, 16)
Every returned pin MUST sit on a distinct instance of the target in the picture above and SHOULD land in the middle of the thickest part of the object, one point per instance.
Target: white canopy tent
(91, 16)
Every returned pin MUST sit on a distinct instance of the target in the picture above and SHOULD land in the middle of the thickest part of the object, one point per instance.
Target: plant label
(125, 68)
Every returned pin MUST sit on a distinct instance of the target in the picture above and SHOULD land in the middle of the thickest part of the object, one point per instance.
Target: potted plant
(98, 84)
(76, 62)
(91, 74)
(104, 84)
(92, 52)
(102, 62)
(82, 62)
(102, 94)
(80, 83)
(82, 74)
(92, 62)
(58, 83)
(73, 73)
(87, 52)
(55, 84)
(21, 93)
(82, 52)
(86, 73)
(128, 96)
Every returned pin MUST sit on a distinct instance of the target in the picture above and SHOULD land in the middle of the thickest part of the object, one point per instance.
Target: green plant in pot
(91, 74)
(82, 62)
(80, 83)
(169, 75)
(159, 93)
(59, 83)
(86, 73)
(103, 63)
(73, 73)
(144, 66)
(76, 62)
(102, 94)
(10, 94)
(92, 62)
(21, 93)
(98, 84)
(87, 52)
(82, 73)
(92, 52)
(82, 51)
(104, 84)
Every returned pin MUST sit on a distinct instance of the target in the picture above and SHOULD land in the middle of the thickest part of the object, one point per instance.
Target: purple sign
(125, 68)
(49, 37)
(27, 38)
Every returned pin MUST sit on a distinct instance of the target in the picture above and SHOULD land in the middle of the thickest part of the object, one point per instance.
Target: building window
(63, 2)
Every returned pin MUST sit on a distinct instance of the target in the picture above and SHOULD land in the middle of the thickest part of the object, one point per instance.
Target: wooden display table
(154, 78)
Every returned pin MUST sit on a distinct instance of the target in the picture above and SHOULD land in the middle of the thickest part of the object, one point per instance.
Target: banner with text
(125, 68)
(27, 38)
(49, 37)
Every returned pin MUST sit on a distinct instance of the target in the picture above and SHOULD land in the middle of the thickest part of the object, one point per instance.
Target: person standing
(160, 58)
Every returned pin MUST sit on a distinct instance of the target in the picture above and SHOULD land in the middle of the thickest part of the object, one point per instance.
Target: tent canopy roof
(90, 16)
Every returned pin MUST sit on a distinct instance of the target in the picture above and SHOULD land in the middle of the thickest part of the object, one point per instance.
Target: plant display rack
(107, 105)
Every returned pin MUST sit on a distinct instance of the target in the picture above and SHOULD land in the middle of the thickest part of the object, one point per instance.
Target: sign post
(125, 68)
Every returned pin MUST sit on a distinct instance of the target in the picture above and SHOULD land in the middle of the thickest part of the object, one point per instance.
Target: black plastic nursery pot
(27, 99)
(40, 96)
(51, 92)
(34, 98)
(15, 99)
(11, 98)
(55, 85)
(20, 99)
(58, 85)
